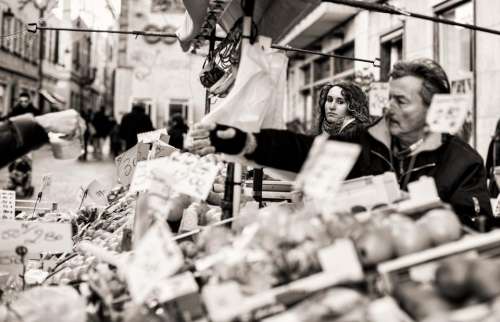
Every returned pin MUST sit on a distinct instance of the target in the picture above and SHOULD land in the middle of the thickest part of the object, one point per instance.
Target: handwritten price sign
(152, 136)
(379, 98)
(7, 204)
(156, 257)
(37, 237)
(326, 167)
(127, 161)
(194, 179)
(447, 113)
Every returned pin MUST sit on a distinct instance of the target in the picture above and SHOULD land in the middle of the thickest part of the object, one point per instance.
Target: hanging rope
(384, 8)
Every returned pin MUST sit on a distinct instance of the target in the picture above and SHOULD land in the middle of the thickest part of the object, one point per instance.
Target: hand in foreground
(67, 122)
(209, 138)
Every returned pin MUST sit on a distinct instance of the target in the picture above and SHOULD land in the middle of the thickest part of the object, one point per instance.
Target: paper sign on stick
(156, 257)
(127, 161)
(7, 204)
(447, 113)
(38, 237)
(46, 186)
(326, 167)
(97, 193)
(150, 137)
(379, 98)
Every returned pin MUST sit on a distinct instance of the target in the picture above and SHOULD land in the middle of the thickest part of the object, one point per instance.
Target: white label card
(127, 161)
(152, 136)
(97, 193)
(7, 204)
(46, 187)
(156, 257)
(447, 113)
(38, 237)
(326, 167)
(379, 98)
(348, 269)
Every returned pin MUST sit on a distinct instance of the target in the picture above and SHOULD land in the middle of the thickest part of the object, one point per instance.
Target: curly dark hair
(357, 102)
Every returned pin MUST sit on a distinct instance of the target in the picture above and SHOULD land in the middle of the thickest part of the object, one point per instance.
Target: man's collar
(380, 132)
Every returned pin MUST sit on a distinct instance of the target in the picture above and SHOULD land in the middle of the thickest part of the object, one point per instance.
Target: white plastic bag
(257, 99)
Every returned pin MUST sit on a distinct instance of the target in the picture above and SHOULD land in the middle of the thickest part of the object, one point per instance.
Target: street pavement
(67, 176)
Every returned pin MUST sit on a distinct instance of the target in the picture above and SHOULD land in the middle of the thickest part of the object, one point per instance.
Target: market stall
(180, 239)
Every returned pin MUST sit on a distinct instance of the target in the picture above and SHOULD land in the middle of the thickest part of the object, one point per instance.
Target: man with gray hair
(399, 142)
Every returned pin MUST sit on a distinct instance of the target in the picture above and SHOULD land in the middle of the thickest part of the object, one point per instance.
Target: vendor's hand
(67, 122)
(210, 138)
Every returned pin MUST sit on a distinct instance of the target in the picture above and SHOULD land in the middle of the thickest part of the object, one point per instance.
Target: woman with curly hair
(343, 107)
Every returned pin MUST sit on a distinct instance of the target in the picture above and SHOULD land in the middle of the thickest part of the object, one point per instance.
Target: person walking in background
(133, 123)
(20, 171)
(102, 126)
(177, 128)
(87, 116)
(493, 160)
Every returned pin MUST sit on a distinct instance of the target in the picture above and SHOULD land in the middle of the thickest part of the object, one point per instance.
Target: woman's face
(336, 105)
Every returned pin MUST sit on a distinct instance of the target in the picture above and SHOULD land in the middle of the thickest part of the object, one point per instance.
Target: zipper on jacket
(430, 165)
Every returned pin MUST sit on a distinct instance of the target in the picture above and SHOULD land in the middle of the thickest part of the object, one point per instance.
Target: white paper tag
(140, 178)
(379, 98)
(342, 260)
(11, 263)
(46, 187)
(38, 237)
(150, 137)
(326, 167)
(127, 161)
(447, 113)
(156, 257)
(174, 287)
(7, 204)
(97, 192)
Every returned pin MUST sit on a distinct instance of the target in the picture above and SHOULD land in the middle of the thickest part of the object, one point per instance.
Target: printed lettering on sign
(127, 161)
(379, 98)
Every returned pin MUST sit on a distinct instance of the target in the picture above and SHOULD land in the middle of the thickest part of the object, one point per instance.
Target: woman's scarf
(336, 127)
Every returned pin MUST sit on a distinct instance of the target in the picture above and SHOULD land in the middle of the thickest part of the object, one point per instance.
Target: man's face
(407, 111)
(24, 101)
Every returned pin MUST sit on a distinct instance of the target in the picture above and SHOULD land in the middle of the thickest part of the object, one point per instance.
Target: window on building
(391, 51)
(321, 68)
(456, 44)
(306, 73)
(56, 47)
(342, 65)
(6, 30)
(3, 99)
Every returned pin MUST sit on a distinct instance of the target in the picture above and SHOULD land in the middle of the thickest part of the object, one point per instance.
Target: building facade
(155, 70)
(469, 58)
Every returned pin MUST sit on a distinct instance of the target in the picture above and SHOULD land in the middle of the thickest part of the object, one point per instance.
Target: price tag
(152, 136)
(326, 167)
(7, 204)
(38, 237)
(46, 187)
(127, 161)
(140, 179)
(156, 257)
(11, 263)
(164, 150)
(447, 113)
(175, 287)
(496, 207)
(97, 193)
(348, 269)
(379, 98)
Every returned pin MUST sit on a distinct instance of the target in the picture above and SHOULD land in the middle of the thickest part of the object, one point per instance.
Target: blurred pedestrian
(102, 126)
(177, 128)
(115, 141)
(87, 116)
(493, 160)
(133, 123)
(21, 169)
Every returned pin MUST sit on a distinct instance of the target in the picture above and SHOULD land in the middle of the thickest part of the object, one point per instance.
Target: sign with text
(7, 204)
(379, 98)
(11, 263)
(152, 136)
(97, 192)
(156, 257)
(447, 113)
(38, 237)
(127, 161)
(46, 187)
(326, 167)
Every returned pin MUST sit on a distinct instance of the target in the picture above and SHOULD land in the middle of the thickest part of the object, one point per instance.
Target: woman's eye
(329, 99)
(340, 101)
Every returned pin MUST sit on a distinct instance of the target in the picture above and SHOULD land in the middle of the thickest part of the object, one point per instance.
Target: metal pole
(40, 63)
(383, 8)
(211, 48)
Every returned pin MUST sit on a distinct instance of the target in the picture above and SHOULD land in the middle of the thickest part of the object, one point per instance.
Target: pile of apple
(385, 238)
(458, 283)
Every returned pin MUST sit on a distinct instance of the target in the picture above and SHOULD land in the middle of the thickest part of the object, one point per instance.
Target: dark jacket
(457, 169)
(492, 161)
(19, 110)
(134, 123)
(102, 124)
(18, 136)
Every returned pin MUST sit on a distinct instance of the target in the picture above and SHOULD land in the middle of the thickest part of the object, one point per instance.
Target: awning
(274, 18)
(52, 98)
